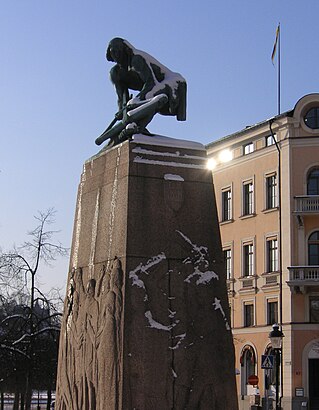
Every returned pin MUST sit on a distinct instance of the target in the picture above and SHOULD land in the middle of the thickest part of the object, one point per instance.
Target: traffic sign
(267, 361)
(253, 380)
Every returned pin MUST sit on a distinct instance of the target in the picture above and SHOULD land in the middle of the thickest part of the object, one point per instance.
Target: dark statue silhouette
(160, 91)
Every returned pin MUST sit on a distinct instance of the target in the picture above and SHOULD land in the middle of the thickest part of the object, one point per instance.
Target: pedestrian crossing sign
(267, 361)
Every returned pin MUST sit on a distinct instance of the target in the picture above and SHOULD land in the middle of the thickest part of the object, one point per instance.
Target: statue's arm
(100, 281)
(92, 322)
(140, 66)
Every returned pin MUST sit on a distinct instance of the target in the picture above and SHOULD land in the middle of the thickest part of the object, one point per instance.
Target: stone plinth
(146, 323)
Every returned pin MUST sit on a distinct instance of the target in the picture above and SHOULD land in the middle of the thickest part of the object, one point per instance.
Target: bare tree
(18, 272)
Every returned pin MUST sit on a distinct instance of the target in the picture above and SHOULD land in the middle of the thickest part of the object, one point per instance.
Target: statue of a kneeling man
(160, 91)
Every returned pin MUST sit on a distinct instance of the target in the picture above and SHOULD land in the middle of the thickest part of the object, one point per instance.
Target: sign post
(267, 363)
(253, 380)
(255, 397)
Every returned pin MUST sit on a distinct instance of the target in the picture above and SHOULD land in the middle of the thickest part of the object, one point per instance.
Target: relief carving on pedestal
(109, 337)
(89, 371)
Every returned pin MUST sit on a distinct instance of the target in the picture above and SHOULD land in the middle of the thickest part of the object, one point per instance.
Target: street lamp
(276, 337)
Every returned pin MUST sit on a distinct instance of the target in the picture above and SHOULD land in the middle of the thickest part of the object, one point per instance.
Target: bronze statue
(160, 91)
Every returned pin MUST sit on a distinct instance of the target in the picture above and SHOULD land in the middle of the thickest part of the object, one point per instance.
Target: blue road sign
(267, 361)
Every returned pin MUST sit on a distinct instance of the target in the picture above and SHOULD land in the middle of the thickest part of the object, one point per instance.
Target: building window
(313, 182)
(272, 255)
(248, 198)
(248, 364)
(314, 309)
(248, 314)
(312, 118)
(248, 148)
(270, 140)
(272, 312)
(248, 268)
(271, 192)
(228, 263)
(227, 205)
(313, 249)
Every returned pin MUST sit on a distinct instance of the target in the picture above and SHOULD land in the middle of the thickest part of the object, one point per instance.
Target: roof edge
(249, 128)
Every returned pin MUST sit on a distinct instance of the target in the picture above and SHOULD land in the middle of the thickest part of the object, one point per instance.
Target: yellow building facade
(267, 195)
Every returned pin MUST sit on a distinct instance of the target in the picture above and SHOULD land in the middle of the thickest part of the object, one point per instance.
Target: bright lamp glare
(211, 164)
(225, 155)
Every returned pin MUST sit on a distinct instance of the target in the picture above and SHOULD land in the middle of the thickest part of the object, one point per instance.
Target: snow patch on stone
(176, 154)
(200, 259)
(206, 277)
(217, 305)
(162, 141)
(141, 160)
(180, 338)
(157, 325)
(173, 177)
(143, 268)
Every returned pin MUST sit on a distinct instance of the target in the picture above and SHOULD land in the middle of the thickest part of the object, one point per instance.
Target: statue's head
(118, 51)
(91, 287)
(116, 274)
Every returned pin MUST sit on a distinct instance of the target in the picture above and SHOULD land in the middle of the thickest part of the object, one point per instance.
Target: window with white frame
(228, 263)
(226, 204)
(248, 148)
(272, 255)
(248, 197)
(272, 312)
(271, 191)
(270, 140)
(248, 259)
(248, 314)
(248, 365)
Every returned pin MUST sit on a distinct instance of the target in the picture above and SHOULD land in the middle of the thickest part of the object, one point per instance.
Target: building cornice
(248, 129)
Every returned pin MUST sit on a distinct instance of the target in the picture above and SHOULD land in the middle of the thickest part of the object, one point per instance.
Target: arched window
(248, 365)
(313, 248)
(313, 182)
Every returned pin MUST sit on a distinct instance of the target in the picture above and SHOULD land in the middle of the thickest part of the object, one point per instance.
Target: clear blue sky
(56, 97)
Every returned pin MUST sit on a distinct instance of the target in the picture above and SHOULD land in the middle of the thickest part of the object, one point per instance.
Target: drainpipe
(271, 121)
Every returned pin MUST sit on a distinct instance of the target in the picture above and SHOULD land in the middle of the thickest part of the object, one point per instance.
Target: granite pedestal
(146, 322)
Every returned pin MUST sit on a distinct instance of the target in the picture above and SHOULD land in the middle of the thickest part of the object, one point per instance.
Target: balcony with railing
(303, 277)
(307, 204)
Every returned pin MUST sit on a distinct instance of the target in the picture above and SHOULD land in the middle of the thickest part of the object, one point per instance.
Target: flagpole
(279, 76)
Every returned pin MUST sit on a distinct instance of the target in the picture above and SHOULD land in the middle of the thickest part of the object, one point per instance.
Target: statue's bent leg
(141, 115)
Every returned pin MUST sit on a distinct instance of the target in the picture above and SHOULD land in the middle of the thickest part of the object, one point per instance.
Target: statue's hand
(141, 96)
(133, 101)
(119, 115)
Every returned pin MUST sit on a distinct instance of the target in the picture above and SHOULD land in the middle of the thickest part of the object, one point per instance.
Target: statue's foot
(112, 142)
(127, 133)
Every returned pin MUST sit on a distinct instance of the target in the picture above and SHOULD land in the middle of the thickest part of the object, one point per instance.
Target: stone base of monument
(146, 320)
